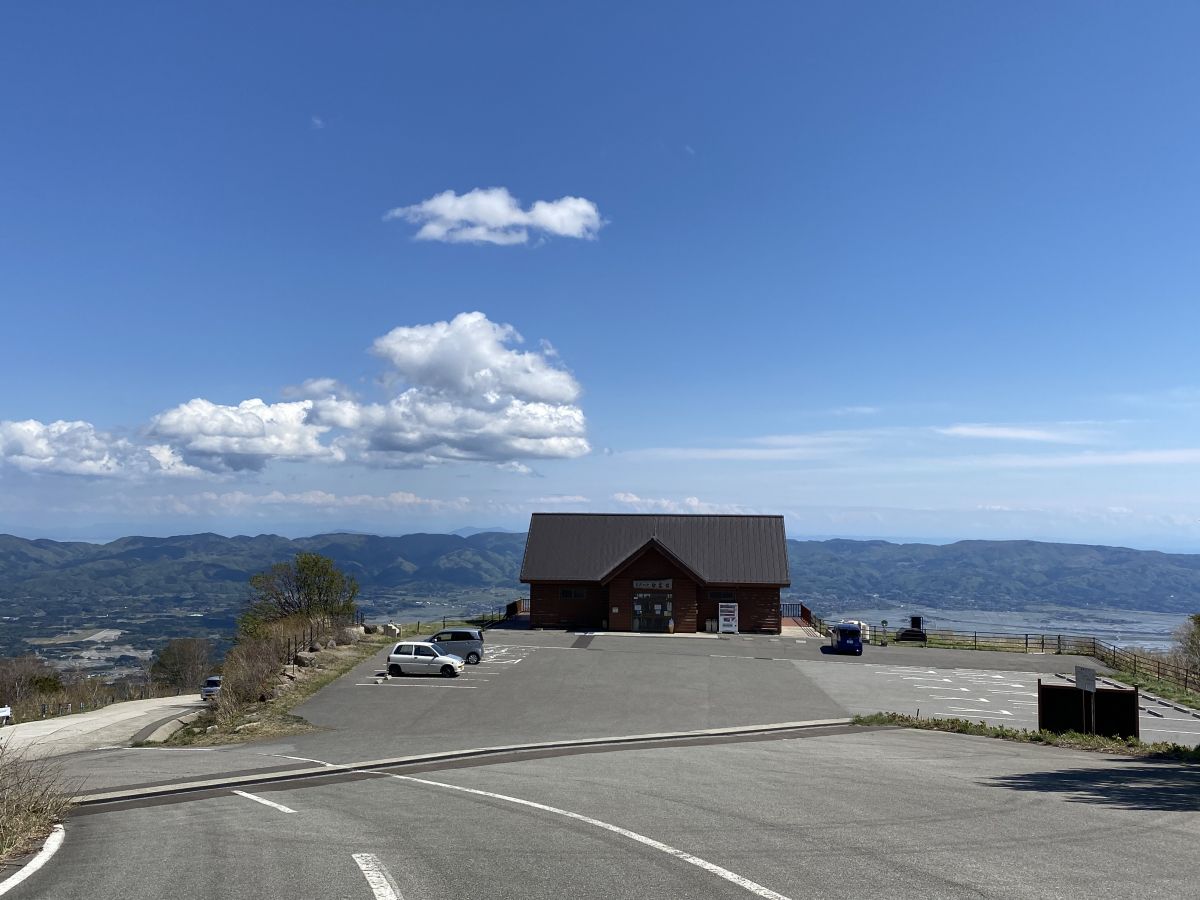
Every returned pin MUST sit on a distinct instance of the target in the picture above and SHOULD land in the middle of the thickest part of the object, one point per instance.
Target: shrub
(33, 797)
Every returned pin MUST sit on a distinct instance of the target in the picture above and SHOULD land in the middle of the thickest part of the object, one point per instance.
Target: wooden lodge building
(606, 572)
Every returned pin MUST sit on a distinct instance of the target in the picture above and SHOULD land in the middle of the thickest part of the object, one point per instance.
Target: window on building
(722, 596)
(572, 594)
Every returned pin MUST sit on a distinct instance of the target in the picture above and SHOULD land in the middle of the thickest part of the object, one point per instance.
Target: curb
(327, 769)
(49, 848)
(168, 728)
(157, 732)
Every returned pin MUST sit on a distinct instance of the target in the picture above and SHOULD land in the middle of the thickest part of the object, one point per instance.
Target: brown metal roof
(719, 549)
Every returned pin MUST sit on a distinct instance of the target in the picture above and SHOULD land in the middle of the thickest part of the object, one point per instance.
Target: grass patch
(274, 718)
(33, 797)
(1166, 689)
(1071, 739)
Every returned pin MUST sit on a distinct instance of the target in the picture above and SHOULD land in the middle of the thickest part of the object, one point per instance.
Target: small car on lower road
(212, 687)
(423, 658)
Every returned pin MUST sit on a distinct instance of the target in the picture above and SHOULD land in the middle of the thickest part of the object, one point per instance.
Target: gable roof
(719, 549)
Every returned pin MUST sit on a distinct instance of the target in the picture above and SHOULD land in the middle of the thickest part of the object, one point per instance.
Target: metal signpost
(727, 618)
(1085, 680)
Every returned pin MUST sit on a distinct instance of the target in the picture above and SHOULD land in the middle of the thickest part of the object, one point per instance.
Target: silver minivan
(423, 658)
(464, 642)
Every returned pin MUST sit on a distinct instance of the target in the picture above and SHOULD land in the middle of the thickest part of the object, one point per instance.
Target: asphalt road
(883, 813)
(543, 686)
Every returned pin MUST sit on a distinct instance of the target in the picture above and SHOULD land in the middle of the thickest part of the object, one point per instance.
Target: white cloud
(461, 390)
(1051, 435)
(316, 123)
(1185, 456)
(213, 502)
(78, 448)
(215, 437)
(686, 505)
(856, 410)
(494, 216)
(313, 388)
(464, 394)
(518, 468)
(468, 356)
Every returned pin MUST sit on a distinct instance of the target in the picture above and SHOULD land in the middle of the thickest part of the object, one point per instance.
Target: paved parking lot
(995, 697)
(498, 660)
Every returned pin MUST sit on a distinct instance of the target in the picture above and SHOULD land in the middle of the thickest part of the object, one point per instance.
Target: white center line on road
(377, 877)
(264, 801)
(741, 881)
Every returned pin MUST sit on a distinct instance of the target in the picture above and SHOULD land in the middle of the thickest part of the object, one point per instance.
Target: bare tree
(310, 586)
(1187, 642)
(22, 677)
(183, 663)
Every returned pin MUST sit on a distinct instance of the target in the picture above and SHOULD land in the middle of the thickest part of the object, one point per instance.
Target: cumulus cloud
(79, 448)
(215, 437)
(494, 216)
(456, 390)
(462, 393)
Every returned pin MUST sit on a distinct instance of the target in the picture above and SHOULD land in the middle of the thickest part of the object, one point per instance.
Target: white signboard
(5, 714)
(652, 584)
(1085, 679)
(727, 619)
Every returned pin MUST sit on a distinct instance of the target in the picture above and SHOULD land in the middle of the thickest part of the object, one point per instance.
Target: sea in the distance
(1123, 627)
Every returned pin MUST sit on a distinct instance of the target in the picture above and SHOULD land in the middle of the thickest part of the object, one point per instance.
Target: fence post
(1026, 643)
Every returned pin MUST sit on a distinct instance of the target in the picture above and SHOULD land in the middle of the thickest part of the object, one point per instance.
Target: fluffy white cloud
(469, 357)
(493, 216)
(459, 390)
(463, 394)
(215, 437)
(78, 448)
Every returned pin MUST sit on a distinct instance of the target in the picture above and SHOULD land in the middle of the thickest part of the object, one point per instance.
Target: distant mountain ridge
(827, 574)
(210, 563)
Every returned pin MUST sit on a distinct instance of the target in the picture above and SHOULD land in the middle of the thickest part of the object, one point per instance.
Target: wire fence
(1110, 654)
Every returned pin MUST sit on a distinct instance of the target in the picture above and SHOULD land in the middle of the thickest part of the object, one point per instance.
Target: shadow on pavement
(1164, 786)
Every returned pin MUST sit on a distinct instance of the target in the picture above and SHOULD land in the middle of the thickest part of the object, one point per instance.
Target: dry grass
(238, 721)
(33, 797)
(1071, 739)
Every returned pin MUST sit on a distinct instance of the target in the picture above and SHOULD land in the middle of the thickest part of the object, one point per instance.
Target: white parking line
(733, 877)
(432, 684)
(378, 878)
(264, 801)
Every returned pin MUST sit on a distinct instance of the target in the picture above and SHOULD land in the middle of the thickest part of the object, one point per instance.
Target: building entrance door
(652, 611)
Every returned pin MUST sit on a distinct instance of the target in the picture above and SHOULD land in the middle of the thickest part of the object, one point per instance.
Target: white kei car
(423, 658)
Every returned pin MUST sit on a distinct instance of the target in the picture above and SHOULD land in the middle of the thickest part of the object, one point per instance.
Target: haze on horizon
(925, 273)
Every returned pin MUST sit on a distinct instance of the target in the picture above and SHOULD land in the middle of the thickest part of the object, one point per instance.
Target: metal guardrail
(1035, 642)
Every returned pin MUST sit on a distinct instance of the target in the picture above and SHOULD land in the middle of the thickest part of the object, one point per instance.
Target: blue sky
(922, 270)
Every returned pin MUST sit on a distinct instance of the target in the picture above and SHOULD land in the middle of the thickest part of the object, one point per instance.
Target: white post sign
(1085, 679)
(5, 714)
(727, 618)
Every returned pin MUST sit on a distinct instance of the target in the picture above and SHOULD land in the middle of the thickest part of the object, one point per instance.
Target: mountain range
(213, 570)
